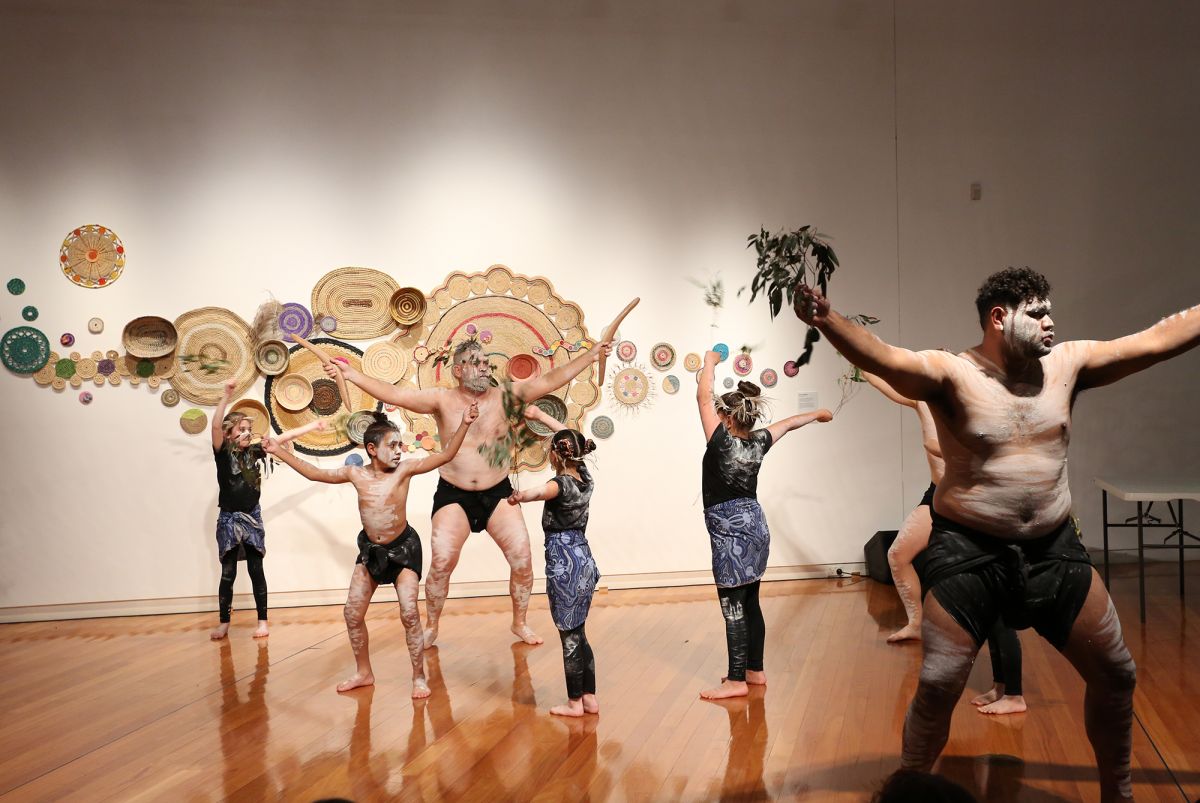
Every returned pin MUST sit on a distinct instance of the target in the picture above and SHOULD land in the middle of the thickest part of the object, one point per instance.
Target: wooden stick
(612, 330)
(321, 355)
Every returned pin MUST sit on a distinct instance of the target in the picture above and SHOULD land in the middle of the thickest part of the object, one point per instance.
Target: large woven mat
(359, 299)
(514, 314)
(326, 403)
(214, 334)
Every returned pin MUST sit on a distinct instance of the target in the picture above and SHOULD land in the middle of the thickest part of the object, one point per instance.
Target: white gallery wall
(618, 149)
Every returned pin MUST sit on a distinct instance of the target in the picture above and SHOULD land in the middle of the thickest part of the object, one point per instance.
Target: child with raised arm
(389, 550)
(571, 572)
(737, 528)
(241, 466)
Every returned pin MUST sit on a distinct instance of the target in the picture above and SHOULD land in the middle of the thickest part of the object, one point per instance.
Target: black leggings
(745, 630)
(1005, 649)
(257, 579)
(579, 663)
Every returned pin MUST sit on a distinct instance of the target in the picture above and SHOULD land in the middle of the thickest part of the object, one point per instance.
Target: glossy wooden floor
(147, 708)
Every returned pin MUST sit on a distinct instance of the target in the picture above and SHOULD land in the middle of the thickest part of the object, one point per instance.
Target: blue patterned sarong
(571, 576)
(740, 541)
(239, 530)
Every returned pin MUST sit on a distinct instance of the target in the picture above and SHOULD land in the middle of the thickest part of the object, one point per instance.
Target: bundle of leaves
(787, 260)
(517, 437)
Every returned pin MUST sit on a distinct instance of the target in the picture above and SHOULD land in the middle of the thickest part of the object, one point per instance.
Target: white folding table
(1150, 490)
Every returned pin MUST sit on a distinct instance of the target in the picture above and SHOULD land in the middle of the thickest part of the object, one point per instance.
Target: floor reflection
(747, 746)
(245, 727)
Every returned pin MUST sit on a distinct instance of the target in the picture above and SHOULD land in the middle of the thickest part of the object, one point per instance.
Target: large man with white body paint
(1003, 545)
(471, 489)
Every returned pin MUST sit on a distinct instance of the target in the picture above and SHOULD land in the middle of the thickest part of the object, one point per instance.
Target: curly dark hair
(378, 429)
(1008, 288)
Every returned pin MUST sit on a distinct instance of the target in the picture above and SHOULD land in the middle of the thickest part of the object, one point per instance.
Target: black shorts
(384, 562)
(978, 578)
(927, 499)
(478, 505)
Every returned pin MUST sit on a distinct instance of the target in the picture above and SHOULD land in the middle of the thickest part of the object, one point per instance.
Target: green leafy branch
(785, 261)
(517, 437)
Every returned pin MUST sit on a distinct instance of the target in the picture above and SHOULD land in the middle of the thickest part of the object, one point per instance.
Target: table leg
(1104, 512)
(1181, 532)
(1141, 566)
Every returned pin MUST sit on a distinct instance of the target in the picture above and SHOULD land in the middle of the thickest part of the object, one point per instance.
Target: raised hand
(230, 386)
(470, 414)
(270, 446)
(531, 412)
(711, 358)
(810, 305)
(824, 416)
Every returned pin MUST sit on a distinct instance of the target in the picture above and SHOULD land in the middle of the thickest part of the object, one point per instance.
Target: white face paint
(241, 433)
(473, 370)
(387, 452)
(1028, 329)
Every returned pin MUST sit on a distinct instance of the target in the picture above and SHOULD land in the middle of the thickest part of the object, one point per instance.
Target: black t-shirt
(238, 492)
(731, 464)
(569, 510)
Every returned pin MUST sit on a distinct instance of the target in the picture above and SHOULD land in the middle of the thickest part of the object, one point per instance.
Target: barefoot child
(571, 572)
(737, 528)
(389, 548)
(241, 465)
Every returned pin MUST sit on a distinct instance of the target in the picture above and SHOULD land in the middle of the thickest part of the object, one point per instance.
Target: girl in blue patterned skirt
(737, 528)
(571, 572)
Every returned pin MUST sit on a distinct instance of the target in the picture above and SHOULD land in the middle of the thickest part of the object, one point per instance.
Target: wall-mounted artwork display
(214, 347)
(92, 256)
(25, 350)
(662, 356)
(325, 402)
(359, 301)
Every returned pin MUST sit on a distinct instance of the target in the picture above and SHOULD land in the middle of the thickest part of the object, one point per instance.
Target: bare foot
(590, 704)
(728, 688)
(1008, 704)
(909, 632)
(573, 708)
(756, 678)
(219, 631)
(430, 636)
(420, 688)
(526, 634)
(261, 630)
(360, 679)
(992, 696)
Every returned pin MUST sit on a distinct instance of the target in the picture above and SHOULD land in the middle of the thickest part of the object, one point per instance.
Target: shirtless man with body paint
(1003, 542)
(470, 490)
(1004, 646)
(389, 548)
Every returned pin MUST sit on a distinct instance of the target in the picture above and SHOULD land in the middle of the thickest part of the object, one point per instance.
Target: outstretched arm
(781, 428)
(913, 375)
(289, 435)
(448, 452)
(535, 413)
(552, 380)
(218, 419)
(1109, 360)
(305, 468)
(547, 491)
(704, 395)
(414, 400)
(887, 390)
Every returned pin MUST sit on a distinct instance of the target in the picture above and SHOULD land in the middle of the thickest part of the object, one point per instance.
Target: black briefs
(478, 505)
(384, 562)
(927, 499)
(1040, 583)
